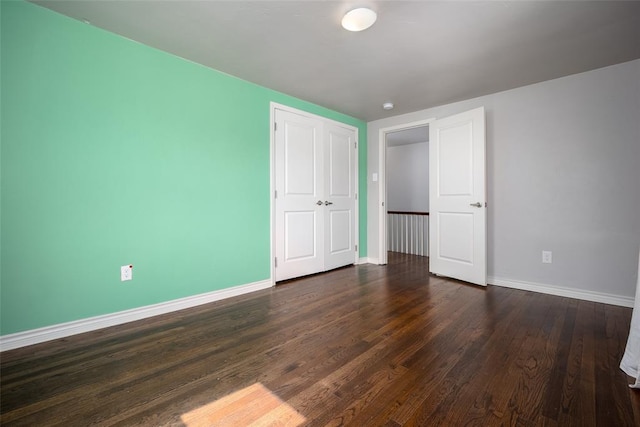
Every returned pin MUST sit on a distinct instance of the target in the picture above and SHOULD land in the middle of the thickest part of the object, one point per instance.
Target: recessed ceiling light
(388, 105)
(359, 19)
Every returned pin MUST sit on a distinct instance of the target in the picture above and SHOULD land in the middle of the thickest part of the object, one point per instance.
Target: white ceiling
(419, 54)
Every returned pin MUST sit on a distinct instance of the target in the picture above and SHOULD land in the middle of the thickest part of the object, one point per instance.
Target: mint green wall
(114, 153)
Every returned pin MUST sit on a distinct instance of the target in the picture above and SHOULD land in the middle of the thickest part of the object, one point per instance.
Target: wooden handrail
(407, 213)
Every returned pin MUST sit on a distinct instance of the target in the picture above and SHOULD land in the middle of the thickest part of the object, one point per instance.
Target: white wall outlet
(126, 272)
(546, 257)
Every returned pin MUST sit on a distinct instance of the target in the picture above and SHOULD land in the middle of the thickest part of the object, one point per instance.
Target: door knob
(319, 203)
(476, 205)
(327, 203)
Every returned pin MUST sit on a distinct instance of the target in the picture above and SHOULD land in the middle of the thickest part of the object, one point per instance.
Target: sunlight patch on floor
(252, 406)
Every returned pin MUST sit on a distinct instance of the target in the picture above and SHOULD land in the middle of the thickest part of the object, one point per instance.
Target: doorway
(408, 191)
(457, 195)
(404, 191)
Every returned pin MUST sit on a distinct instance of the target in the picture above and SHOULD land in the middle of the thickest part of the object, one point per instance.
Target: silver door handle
(327, 203)
(319, 203)
(476, 205)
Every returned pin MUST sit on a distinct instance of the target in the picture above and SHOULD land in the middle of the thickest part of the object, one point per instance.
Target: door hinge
(275, 126)
(356, 248)
(275, 262)
(356, 196)
(275, 194)
(355, 144)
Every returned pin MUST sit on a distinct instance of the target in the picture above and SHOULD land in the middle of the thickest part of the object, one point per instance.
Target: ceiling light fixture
(359, 19)
(388, 105)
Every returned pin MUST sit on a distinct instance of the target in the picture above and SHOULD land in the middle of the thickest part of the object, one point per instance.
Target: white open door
(457, 197)
(299, 189)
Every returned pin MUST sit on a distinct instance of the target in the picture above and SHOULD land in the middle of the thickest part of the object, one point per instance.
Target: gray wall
(408, 177)
(563, 174)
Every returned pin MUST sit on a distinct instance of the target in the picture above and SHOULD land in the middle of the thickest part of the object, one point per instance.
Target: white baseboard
(48, 333)
(366, 260)
(563, 292)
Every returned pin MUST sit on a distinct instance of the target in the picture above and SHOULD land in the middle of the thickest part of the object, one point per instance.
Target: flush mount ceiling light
(387, 105)
(359, 19)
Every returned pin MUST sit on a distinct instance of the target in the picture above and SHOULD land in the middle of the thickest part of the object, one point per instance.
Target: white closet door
(457, 220)
(300, 206)
(340, 202)
(315, 204)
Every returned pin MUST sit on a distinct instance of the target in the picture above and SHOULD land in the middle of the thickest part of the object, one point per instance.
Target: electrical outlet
(547, 257)
(126, 272)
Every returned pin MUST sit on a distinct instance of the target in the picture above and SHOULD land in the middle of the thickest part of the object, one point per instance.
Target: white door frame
(273, 106)
(382, 179)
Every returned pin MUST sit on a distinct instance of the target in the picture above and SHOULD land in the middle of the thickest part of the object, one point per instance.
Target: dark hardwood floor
(363, 346)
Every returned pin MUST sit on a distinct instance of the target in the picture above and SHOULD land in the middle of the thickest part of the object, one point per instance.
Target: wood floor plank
(533, 367)
(559, 371)
(439, 359)
(577, 400)
(473, 370)
(492, 362)
(365, 345)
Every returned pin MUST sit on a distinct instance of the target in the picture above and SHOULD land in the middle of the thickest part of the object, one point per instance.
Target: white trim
(273, 106)
(563, 292)
(366, 260)
(48, 333)
(272, 190)
(382, 182)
